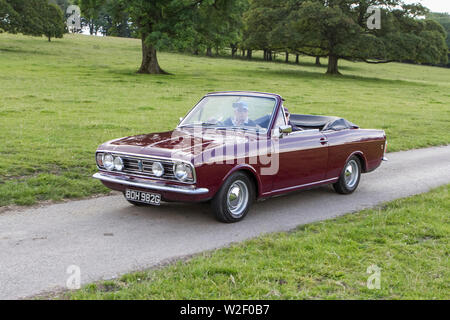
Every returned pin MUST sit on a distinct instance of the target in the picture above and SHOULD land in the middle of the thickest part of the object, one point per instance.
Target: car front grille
(143, 167)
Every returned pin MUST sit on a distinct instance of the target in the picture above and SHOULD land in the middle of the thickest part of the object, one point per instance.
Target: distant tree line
(32, 17)
(332, 29)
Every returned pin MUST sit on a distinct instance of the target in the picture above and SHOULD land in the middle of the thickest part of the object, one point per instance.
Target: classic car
(233, 148)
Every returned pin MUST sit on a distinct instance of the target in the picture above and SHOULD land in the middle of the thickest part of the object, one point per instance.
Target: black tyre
(232, 202)
(350, 176)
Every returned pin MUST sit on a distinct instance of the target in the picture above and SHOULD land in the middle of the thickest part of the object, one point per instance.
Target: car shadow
(201, 212)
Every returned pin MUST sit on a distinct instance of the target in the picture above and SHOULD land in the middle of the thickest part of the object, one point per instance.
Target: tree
(338, 28)
(260, 19)
(163, 24)
(216, 26)
(62, 4)
(53, 21)
(30, 17)
(90, 9)
(9, 18)
(444, 20)
(115, 20)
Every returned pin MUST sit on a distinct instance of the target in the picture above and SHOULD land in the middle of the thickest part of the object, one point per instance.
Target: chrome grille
(143, 166)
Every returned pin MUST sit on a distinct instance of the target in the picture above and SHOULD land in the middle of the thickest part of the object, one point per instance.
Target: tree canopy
(31, 17)
(339, 29)
(166, 23)
(444, 20)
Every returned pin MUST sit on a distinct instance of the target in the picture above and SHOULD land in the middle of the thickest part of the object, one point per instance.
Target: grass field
(409, 239)
(60, 100)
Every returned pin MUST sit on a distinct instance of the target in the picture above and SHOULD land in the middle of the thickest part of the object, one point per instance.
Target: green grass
(407, 238)
(60, 100)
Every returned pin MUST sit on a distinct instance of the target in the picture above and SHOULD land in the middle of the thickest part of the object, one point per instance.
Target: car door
(303, 157)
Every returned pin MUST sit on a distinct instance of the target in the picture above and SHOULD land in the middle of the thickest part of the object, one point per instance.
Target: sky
(434, 5)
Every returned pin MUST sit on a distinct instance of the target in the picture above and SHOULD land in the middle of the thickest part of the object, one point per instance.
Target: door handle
(323, 140)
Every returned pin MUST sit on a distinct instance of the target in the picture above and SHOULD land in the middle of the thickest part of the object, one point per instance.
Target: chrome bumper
(149, 185)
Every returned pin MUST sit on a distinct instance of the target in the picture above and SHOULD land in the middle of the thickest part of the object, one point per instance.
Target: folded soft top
(306, 121)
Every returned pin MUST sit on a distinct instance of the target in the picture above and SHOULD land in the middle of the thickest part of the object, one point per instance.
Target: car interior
(305, 122)
(312, 122)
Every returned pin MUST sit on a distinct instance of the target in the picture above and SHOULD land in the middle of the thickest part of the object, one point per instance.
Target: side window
(280, 121)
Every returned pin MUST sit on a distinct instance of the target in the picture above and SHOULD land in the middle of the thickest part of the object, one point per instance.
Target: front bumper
(149, 185)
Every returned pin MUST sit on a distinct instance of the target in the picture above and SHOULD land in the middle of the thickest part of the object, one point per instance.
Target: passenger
(240, 116)
(288, 119)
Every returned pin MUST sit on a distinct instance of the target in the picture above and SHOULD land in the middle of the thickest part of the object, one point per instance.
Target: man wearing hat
(240, 116)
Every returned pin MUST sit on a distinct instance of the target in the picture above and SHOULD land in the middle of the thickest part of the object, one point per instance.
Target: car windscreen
(228, 111)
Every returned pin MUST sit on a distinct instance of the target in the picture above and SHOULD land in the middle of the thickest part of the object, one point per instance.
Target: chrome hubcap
(237, 198)
(351, 174)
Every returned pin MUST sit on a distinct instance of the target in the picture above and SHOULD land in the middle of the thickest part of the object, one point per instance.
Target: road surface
(107, 237)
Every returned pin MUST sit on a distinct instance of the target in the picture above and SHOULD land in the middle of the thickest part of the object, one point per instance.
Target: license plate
(144, 197)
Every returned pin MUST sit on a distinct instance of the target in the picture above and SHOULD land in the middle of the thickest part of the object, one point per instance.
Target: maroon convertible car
(233, 148)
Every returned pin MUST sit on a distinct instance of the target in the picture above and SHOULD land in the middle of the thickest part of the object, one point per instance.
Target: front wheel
(232, 202)
(350, 176)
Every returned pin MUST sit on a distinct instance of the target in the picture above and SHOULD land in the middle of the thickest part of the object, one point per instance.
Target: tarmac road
(107, 237)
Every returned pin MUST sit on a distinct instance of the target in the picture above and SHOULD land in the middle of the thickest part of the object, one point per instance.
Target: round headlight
(180, 171)
(157, 169)
(118, 163)
(108, 161)
(183, 172)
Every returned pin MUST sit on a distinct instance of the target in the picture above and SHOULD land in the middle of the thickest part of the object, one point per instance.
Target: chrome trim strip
(150, 185)
(301, 185)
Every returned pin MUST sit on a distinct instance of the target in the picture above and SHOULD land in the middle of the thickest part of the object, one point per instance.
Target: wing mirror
(181, 119)
(285, 129)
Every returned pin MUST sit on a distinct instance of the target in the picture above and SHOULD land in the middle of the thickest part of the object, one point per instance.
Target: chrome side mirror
(286, 129)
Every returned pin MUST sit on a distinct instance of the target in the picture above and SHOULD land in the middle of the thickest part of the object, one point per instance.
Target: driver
(240, 116)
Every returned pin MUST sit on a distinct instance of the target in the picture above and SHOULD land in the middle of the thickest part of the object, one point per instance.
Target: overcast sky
(434, 5)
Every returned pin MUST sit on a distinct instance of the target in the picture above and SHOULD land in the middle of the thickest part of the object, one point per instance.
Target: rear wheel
(350, 176)
(232, 202)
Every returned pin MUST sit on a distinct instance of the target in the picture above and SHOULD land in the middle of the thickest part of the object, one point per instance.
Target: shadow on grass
(343, 77)
(27, 52)
(264, 72)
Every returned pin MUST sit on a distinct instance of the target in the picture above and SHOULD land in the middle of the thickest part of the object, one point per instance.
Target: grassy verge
(407, 238)
(60, 100)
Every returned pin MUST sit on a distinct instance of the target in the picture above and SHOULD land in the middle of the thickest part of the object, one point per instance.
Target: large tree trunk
(297, 58)
(233, 51)
(209, 52)
(317, 61)
(332, 65)
(149, 60)
(249, 54)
